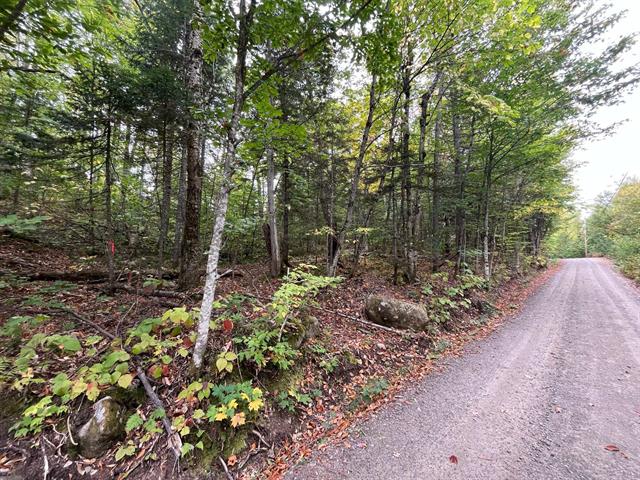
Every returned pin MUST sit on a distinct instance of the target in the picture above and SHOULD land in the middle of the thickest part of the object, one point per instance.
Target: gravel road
(540, 398)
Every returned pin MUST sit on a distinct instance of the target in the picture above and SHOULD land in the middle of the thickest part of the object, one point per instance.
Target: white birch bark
(222, 199)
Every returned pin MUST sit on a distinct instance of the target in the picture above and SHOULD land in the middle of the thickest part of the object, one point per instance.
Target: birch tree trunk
(222, 199)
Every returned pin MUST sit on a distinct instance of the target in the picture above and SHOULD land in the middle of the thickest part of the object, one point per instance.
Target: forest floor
(352, 369)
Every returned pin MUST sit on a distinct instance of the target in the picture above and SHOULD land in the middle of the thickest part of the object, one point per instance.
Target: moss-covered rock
(395, 313)
(105, 427)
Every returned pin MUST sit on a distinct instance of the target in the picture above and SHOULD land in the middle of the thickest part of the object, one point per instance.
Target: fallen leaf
(227, 326)
(611, 448)
(453, 459)
(232, 460)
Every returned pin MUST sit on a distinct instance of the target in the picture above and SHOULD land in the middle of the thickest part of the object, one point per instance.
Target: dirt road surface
(552, 394)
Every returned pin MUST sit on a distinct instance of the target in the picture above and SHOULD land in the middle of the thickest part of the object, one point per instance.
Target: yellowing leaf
(125, 380)
(220, 416)
(92, 391)
(233, 404)
(221, 364)
(238, 419)
(255, 405)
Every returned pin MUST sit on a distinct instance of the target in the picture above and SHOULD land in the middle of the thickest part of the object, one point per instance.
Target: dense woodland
(185, 140)
(612, 229)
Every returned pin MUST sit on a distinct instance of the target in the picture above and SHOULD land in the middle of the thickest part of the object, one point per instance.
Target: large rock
(105, 427)
(391, 312)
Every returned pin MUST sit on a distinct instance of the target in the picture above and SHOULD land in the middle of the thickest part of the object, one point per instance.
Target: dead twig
(73, 442)
(260, 437)
(46, 461)
(226, 469)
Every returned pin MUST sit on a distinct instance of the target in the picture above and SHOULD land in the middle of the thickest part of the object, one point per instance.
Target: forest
(197, 199)
(611, 229)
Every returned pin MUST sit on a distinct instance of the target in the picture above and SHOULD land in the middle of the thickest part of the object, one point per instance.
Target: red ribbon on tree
(111, 245)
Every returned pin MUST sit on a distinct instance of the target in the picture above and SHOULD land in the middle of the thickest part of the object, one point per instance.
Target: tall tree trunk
(286, 206)
(108, 181)
(222, 200)
(92, 208)
(435, 188)
(391, 147)
(274, 249)
(355, 179)
(190, 253)
(405, 188)
(459, 185)
(285, 180)
(394, 220)
(486, 265)
(416, 208)
(167, 173)
(180, 208)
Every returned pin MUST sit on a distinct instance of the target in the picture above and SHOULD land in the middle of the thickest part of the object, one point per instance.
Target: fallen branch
(79, 276)
(148, 291)
(226, 469)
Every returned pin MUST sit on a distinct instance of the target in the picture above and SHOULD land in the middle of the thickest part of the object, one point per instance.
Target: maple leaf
(255, 405)
(238, 419)
(220, 416)
(453, 459)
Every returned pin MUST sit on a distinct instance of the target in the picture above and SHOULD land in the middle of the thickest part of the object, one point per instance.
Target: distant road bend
(552, 394)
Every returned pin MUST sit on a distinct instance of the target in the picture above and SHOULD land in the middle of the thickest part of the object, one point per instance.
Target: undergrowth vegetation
(255, 343)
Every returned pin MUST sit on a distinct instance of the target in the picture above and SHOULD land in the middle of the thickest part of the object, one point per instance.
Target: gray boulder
(395, 313)
(105, 427)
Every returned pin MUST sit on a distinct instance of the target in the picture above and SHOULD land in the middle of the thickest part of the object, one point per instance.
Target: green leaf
(133, 422)
(198, 414)
(61, 384)
(186, 448)
(65, 342)
(125, 451)
(114, 357)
